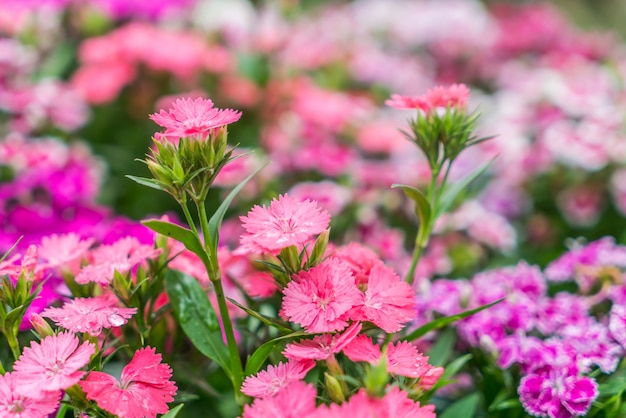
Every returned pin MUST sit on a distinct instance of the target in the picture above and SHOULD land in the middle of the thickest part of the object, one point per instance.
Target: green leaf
(181, 234)
(443, 321)
(422, 209)
(197, 317)
(216, 220)
(272, 322)
(451, 192)
(256, 360)
(173, 412)
(146, 182)
(440, 351)
(463, 408)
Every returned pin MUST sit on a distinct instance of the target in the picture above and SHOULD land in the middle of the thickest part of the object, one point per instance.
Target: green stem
(215, 276)
(188, 217)
(13, 343)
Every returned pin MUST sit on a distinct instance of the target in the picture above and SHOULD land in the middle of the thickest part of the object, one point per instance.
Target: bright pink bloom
(389, 302)
(407, 102)
(270, 381)
(617, 324)
(287, 221)
(121, 256)
(64, 251)
(15, 404)
(53, 364)
(557, 393)
(395, 403)
(295, 400)
(321, 347)
(90, 314)
(194, 118)
(363, 349)
(318, 299)
(144, 389)
(360, 259)
(454, 96)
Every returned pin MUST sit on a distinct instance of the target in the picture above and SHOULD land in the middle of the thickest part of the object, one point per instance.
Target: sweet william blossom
(194, 118)
(144, 389)
(454, 96)
(270, 381)
(15, 404)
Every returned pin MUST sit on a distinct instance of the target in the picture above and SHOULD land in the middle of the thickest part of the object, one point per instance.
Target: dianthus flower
(64, 251)
(287, 221)
(121, 256)
(53, 364)
(389, 302)
(90, 314)
(557, 393)
(15, 404)
(295, 400)
(194, 118)
(143, 390)
(321, 347)
(454, 96)
(318, 299)
(270, 381)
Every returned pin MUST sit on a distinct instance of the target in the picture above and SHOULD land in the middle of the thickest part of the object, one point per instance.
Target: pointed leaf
(256, 360)
(272, 322)
(146, 182)
(216, 220)
(451, 192)
(197, 317)
(173, 412)
(180, 234)
(463, 408)
(442, 322)
(422, 205)
(441, 350)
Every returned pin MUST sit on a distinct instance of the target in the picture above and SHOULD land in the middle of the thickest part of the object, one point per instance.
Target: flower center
(16, 407)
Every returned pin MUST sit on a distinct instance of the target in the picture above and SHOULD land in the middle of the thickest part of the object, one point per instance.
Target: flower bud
(334, 389)
(41, 326)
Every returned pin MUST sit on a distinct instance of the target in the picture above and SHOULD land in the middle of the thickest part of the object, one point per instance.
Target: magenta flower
(617, 324)
(295, 400)
(318, 299)
(194, 118)
(389, 302)
(15, 404)
(143, 390)
(53, 364)
(90, 314)
(287, 221)
(557, 393)
(270, 381)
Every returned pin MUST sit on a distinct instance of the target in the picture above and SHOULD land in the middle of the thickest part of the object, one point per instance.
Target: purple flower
(557, 393)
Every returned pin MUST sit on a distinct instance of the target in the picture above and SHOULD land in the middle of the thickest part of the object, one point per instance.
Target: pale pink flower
(617, 324)
(389, 302)
(194, 118)
(144, 389)
(64, 251)
(121, 256)
(53, 364)
(16, 404)
(270, 381)
(318, 299)
(295, 400)
(321, 347)
(287, 221)
(90, 314)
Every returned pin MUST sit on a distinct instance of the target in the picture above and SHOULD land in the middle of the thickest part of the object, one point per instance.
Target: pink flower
(143, 390)
(193, 118)
(269, 382)
(64, 251)
(295, 400)
(121, 256)
(454, 96)
(287, 221)
(15, 404)
(321, 347)
(53, 364)
(617, 324)
(389, 302)
(557, 393)
(90, 314)
(318, 299)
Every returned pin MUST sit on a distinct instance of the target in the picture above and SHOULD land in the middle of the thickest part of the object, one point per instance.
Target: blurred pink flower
(318, 299)
(90, 314)
(454, 96)
(270, 381)
(53, 364)
(16, 404)
(64, 251)
(193, 118)
(287, 221)
(143, 390)
(295, 400)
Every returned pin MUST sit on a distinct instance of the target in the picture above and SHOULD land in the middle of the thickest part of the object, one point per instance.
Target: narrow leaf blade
(272, 322)
(463, 408)
(173, 412)
(146, 182)
(179, 233)
(452, 191)
(256, 360)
